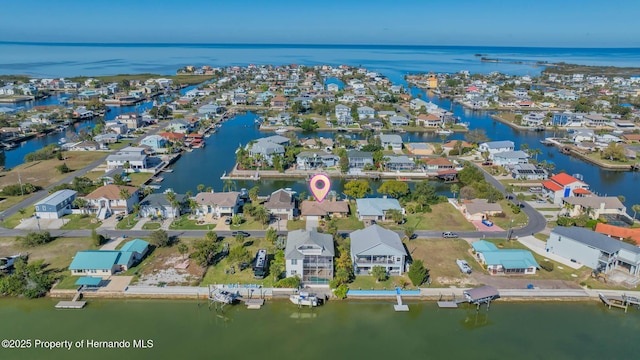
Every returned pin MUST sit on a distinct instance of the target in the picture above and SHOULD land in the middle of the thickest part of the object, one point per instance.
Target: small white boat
(281, 130)
(306, 299)
(444, 132)
(62, 141)
(223, 296)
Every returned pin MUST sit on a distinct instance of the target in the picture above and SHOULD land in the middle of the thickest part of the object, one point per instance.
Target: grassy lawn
(9, 201)
(249, 224)
(596, 156)
(43, 173)
(127, 222)
(217, 274)
(296, 225)
(120, 144)
(94, 175)
(184, 223)
(58, 253)
(79, 222)
(560, 272)
(442, 217)
(14, 220)
(67, 281)
(351, 222)
(549, 209)
(138, 179)
(364, 282)
(439, 256)
(151, 226)
(519, 220)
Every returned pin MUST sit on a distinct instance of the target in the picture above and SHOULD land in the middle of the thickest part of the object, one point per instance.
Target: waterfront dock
(75, 303)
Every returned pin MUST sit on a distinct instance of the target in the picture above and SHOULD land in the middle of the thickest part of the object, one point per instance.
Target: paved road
(404, 112)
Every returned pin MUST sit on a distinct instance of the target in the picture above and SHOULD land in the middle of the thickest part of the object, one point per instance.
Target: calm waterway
(339, 330)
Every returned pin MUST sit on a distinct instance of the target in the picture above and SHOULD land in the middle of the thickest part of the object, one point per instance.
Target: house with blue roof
(504, 261)
(108, 262)
(375, 209)
(138, 247)
(101, 262)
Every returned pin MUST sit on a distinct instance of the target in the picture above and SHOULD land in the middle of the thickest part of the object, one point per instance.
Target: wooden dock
(622, 302)
(71, 304)
(253, 304)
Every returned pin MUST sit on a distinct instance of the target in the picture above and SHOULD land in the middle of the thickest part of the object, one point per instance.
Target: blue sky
(552, 23)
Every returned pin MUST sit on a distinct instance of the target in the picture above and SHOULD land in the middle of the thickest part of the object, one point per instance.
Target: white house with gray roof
(398, 121)
(265, 148)
(377, 246)
(594, 250)
(309, 255)
(494, 147)
(376, 208)
(507, 158)
(394, 141)
(134, 156)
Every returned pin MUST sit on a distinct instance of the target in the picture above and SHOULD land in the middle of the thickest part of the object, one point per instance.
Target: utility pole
(20, 181)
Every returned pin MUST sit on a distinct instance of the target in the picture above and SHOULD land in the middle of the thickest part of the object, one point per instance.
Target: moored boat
(306, 299)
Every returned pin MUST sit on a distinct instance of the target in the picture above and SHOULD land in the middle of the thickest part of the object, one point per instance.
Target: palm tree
(22, 212)
(200, 187)
(535, 152)
(229, 185)
(81, 204)
(520, 197)
(636, 209)
(172, 199)
(455, 188)
(125, 195)
(262, 214)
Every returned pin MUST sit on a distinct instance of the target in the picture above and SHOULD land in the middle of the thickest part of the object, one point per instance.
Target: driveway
(482, 227)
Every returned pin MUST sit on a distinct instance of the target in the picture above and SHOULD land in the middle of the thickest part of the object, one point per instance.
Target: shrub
(35, 238)
(418, 273)
(547, 265)
(16, 189)
(98, 239)
(341, 291)
(380, 273)
(160, 238)
(290, 282)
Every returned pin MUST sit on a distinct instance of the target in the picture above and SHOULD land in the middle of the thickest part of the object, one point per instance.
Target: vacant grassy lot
(519, 219)
(220, 273)
(138, 179)
(364, 282)
(351, 222)
(296, 225)
(58, 253)
(9, 201)
(248, 224)
(442, 217)
(80, 222)
(120, 144)
(14, 220)
(439, 256)
(43, 173)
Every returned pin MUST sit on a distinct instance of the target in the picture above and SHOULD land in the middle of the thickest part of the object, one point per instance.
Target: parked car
(227, 221)
(449, 234)
(487, 222)
(464, 266)
(243, 233)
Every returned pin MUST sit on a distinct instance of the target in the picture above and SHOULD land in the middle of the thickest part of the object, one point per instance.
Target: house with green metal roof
(504, 261)
(101, 262)
(138, 247)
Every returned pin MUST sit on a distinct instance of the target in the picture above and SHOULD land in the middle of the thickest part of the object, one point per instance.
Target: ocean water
(65, 59)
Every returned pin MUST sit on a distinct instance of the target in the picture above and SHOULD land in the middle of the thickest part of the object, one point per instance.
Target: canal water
(338, 330)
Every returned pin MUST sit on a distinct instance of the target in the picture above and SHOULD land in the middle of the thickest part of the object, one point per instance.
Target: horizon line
(63, 43)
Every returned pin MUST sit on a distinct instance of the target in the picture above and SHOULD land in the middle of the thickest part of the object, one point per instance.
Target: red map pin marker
(320, 186)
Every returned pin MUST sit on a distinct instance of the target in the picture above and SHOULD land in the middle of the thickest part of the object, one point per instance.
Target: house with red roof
(563, 185)
(618, 232)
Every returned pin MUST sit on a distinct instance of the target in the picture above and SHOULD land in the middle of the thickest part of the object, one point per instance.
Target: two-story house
(216, 205)
(282, 204)
(110, 199)
(377, 246)
(494, 147)
(309, 255)
(359, 159)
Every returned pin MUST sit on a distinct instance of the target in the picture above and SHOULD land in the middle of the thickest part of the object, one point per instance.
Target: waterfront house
(282, 204)
(156, 142)
(342, 111)
(216, 205)
(504, 261)
(494, 147)
(399, 163)
(597, 120)
(366, 112)
(131, 158)
(521, 93)
(375, 209)
(377, 246)
(583, 135)
(109, 138)
(178, 126)
(101, 262)
(359, 159)
(309, 255)
(173, 136)
(157, 205)
(333, 88)
(619, 232)
(279, 103)
(138, 247)
(107, 200)
(438, 164)
(115, 127)
(594, 250)
(55, 205)
(393, 142)
(84, 146)
(456, 144)
(594, 206)
(429, 120)
(528, 172)
(533, 119)
(308, 160)
(265, 148)
(397, 120)
(132, 120)
(508, 158)
(417, 104)
(313, 210)
(563, 185)
(480, 209)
